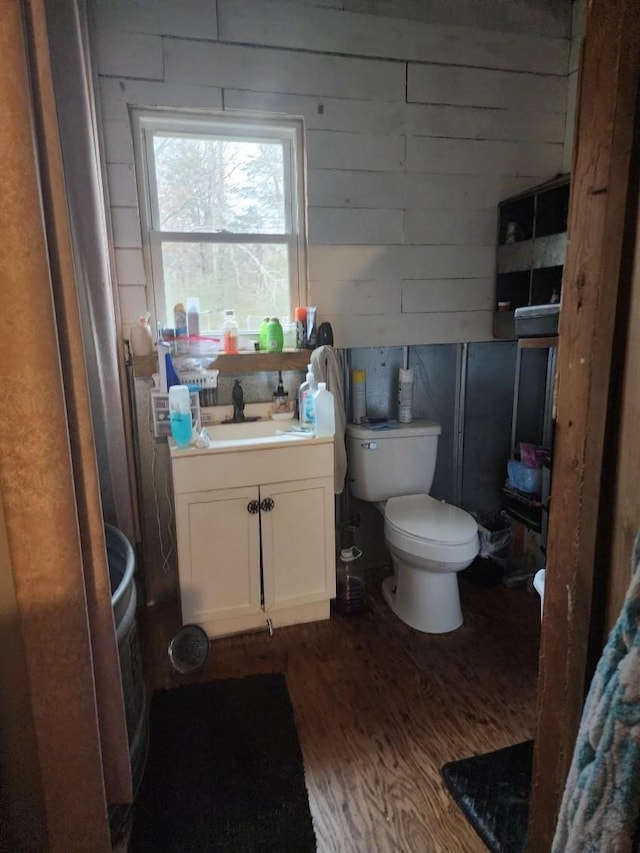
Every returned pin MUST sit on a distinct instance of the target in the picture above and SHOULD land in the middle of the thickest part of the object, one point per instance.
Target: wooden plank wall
(419, 118)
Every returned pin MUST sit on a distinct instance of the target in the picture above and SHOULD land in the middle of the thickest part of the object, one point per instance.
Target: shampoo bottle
(324, 412)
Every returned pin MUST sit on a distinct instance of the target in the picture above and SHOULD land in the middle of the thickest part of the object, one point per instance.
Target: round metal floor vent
(189, 649)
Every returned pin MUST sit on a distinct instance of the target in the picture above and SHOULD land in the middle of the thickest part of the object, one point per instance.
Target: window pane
(251, 278)
(209, 184)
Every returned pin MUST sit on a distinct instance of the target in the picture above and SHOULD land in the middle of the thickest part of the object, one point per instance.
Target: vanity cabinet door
(298, 558)
(219, 557)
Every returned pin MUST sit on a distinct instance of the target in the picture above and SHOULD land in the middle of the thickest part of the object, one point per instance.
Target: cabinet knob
(267, 505)
(253, 507)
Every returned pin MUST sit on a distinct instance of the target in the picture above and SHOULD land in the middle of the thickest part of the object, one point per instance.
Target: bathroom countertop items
(327, 367)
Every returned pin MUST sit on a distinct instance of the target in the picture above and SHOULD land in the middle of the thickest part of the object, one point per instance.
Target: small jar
(281, 403)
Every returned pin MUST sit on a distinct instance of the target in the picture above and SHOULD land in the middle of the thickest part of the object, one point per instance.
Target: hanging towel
(601, 801)
(327, 367)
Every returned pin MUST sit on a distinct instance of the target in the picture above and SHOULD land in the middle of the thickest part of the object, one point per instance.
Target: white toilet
(429, 540)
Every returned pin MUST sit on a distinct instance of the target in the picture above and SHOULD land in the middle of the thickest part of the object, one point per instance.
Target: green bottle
(275, 335)
(262, 336)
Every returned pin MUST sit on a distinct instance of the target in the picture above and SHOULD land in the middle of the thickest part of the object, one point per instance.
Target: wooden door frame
(579, 534)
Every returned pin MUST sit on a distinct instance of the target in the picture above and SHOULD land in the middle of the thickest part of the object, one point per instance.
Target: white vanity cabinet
(255, 534)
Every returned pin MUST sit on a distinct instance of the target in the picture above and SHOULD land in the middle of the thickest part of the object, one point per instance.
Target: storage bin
(537, 320)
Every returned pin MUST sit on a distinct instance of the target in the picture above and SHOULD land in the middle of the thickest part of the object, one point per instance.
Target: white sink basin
(250, 430)
(260, 433)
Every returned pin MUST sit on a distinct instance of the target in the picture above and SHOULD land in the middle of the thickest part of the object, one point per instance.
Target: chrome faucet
(237, 396)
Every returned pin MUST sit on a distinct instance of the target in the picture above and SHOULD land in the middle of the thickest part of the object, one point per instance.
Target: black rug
(224, 772)
(493, 792)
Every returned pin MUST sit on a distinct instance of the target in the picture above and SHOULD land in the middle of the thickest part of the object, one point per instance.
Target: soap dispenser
(305, 401)
(280, 398)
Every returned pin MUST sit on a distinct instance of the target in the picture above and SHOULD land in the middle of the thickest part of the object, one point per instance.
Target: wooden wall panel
(587, 323)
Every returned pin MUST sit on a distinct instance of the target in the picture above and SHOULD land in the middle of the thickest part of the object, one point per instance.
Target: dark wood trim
(623, 436)
(604, 132)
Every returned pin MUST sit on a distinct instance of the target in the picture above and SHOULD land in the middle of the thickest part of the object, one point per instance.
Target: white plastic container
(405, 396)
(324, 412)
(358, 396)
(305, 401)
(180, 414)
(140, 338)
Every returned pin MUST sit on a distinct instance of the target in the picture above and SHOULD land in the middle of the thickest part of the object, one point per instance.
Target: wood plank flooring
(380, 707)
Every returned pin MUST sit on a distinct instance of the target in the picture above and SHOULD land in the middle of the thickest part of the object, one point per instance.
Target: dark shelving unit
(532, 239)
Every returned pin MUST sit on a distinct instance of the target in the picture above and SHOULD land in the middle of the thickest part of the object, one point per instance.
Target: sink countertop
(249, 435)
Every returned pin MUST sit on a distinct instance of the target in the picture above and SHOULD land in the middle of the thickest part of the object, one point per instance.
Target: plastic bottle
(180, 328)
(300, 316)
(193, 318)
(140, 338)
(262, 337)
(180, 415)
(405, 396)
(230, 331)
(170, 371)
(305, 401)
(275, 336)
(350, 582)
(324, 412)
(358, 396)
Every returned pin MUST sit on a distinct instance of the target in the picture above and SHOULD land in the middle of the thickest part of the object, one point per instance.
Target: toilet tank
(386, 463)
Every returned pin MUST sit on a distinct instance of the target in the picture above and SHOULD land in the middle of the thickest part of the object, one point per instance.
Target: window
(222, 215)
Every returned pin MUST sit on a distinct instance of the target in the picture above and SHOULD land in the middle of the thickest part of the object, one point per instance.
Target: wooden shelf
(243, 362)
(538, 343)
(259, 362)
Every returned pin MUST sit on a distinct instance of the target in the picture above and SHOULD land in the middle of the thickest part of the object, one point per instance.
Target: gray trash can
(122, 564)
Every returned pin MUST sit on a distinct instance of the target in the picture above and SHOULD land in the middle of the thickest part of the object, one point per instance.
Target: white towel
(327, 367)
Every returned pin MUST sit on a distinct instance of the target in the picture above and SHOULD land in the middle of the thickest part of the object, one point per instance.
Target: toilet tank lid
(415, 428)
(427, 518)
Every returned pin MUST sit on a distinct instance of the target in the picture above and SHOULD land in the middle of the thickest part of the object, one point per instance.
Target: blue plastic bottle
(180, 414)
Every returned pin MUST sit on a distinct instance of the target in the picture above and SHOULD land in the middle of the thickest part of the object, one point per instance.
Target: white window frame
(288, 131)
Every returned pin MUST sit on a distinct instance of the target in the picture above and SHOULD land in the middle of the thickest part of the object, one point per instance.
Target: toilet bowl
(429, 542)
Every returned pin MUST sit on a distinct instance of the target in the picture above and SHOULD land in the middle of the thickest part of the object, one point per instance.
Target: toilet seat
(424, 527)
